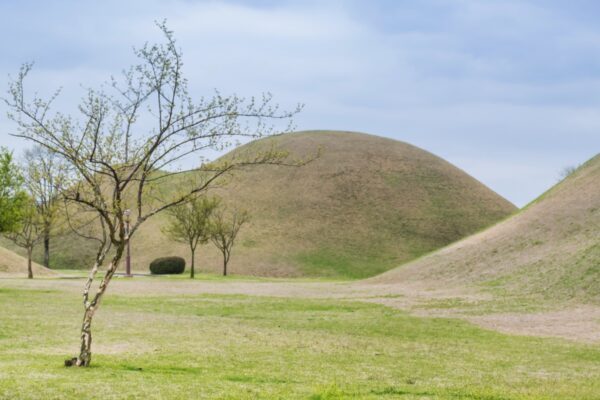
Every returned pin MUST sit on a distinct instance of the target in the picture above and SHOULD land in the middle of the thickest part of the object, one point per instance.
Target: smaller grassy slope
(14, 264)
(547, 253)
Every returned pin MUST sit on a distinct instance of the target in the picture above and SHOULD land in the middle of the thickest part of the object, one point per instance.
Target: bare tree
(190, 224)
(29, 231)
(567, 171)
(135, 134)
(46, 176)
(225, 228)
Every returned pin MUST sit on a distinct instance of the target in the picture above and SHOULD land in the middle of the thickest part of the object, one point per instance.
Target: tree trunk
(224, 265)
(193, 263)
(29, 267)
(85, 353)
(47, 250)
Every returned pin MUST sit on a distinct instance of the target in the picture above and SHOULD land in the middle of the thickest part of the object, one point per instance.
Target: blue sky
(509, 91)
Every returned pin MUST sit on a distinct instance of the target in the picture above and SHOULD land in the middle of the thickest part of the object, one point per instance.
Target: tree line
(30, 203)
(32, 210)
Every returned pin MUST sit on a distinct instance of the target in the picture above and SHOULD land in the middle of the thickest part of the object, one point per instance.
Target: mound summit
(366, 205)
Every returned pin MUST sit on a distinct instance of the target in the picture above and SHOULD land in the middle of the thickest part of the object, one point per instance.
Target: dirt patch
(579, 324)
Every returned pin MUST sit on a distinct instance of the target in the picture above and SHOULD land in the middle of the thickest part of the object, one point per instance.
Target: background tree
(567, 171)
(46, 176)
(224, 230)
(12, 196)
(190, 224)
(118, 170)
(29, 231)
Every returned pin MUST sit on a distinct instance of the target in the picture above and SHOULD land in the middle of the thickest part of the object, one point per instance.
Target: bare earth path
(578, 322)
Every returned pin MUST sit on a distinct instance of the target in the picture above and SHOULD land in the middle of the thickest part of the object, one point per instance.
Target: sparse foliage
(225, 226)
(568, 171)
(46, 176)
(133, 134)
(29, 231)
(190, 224)
(12, 196)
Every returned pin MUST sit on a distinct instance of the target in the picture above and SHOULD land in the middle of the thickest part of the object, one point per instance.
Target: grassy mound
(14, 264)
(548, 252)
(366, 205)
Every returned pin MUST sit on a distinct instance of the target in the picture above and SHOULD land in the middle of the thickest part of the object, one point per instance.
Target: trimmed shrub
(167, 265)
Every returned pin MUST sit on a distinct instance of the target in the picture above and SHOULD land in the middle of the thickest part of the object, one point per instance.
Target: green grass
(336, 265)
(240, 347)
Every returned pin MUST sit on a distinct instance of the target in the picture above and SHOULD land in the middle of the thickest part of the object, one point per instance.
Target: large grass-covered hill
(365, 205)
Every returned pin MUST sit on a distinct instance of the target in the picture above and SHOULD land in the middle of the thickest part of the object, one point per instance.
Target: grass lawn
(243, 347)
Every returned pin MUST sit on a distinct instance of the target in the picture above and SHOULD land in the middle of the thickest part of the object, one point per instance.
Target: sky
(508, 91)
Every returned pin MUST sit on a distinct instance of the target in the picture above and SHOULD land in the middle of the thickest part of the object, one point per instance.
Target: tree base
(71, 362)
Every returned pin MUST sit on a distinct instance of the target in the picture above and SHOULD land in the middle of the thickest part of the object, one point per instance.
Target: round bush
(167, 265)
